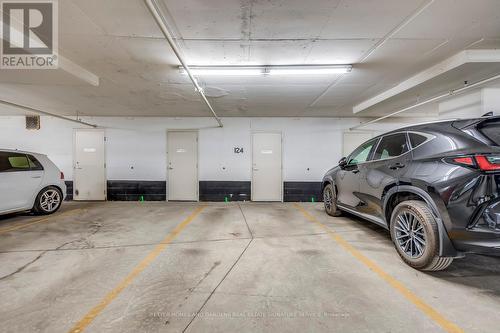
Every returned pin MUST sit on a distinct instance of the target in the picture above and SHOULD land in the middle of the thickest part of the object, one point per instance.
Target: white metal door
(267, 182)
(182, 151)
(89, 169)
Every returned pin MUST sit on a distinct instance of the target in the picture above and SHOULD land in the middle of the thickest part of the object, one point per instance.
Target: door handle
(396, 166)
(355, 171)
(170, 168)
(255, 169)
(36, 177)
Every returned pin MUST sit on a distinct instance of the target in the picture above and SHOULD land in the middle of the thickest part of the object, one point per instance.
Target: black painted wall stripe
(225, 190)
(302, 192)
(136, 190)
(69, 190)
(130, 190)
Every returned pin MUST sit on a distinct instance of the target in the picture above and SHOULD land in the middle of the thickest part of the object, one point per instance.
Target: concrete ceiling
(119, 41)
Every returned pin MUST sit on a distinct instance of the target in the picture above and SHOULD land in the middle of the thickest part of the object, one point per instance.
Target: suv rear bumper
(484, 235)
(479, 246)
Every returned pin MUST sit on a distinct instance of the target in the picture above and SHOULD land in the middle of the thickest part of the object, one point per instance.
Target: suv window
(10, 162)
(416, 139)
(391, 146)
(361, 153)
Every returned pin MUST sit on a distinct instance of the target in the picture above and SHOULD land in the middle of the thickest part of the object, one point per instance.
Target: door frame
(75, 130)
(167, 156)
(281, 161)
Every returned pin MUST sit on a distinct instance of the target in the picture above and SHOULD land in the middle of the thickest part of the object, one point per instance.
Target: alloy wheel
(50, 200)
(410, 234)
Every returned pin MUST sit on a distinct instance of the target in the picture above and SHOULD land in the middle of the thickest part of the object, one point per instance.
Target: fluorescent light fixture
(224, 71)
(309, 70)
(268, 70)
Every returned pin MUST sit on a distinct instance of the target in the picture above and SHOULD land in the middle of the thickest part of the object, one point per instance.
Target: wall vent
(33, 122)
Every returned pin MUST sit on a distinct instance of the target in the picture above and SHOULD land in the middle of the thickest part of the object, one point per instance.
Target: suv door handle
(396, 166)
(355, 171)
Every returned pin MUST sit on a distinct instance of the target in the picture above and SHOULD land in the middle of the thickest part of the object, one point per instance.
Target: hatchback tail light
(62, 175)
(481, 162)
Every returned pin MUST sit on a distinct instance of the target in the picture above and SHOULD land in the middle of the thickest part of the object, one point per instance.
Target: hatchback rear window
(18, 162)
(34, 163)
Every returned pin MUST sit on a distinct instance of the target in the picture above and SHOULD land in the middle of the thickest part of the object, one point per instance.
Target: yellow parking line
(95, 311)
(45, 219)
(447, 325)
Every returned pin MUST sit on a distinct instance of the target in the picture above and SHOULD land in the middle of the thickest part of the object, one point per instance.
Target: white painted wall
(136, 147)
(462, 106)
(491, 100)
(473, 104)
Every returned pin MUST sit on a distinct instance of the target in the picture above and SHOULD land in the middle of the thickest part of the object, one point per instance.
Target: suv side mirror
(343, 162)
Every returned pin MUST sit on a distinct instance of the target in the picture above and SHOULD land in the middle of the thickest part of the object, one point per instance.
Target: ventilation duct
(33, 122)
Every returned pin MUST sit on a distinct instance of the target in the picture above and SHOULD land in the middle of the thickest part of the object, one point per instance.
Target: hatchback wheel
(48, 201)
(330, 200)
(414, 232)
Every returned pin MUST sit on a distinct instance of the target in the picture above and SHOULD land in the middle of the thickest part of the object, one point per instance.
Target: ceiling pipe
(430, 100)
(45, 113)
(162, 23)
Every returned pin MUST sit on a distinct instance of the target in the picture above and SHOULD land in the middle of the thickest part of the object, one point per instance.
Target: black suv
(435, 186)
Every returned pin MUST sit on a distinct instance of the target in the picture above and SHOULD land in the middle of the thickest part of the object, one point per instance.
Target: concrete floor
(245, 267)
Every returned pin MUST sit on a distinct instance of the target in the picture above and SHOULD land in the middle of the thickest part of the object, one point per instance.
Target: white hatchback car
(29, 181)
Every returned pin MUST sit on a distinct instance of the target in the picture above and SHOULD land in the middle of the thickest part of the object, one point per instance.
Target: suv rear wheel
(48, 201)
(329, 199)
(414, 232)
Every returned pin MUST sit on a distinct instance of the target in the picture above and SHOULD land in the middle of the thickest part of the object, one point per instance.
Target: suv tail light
(62, 175)
(481, 162)
(488, 163)
(469, 161)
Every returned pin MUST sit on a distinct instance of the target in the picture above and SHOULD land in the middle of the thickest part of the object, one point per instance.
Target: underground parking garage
(253, 166)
